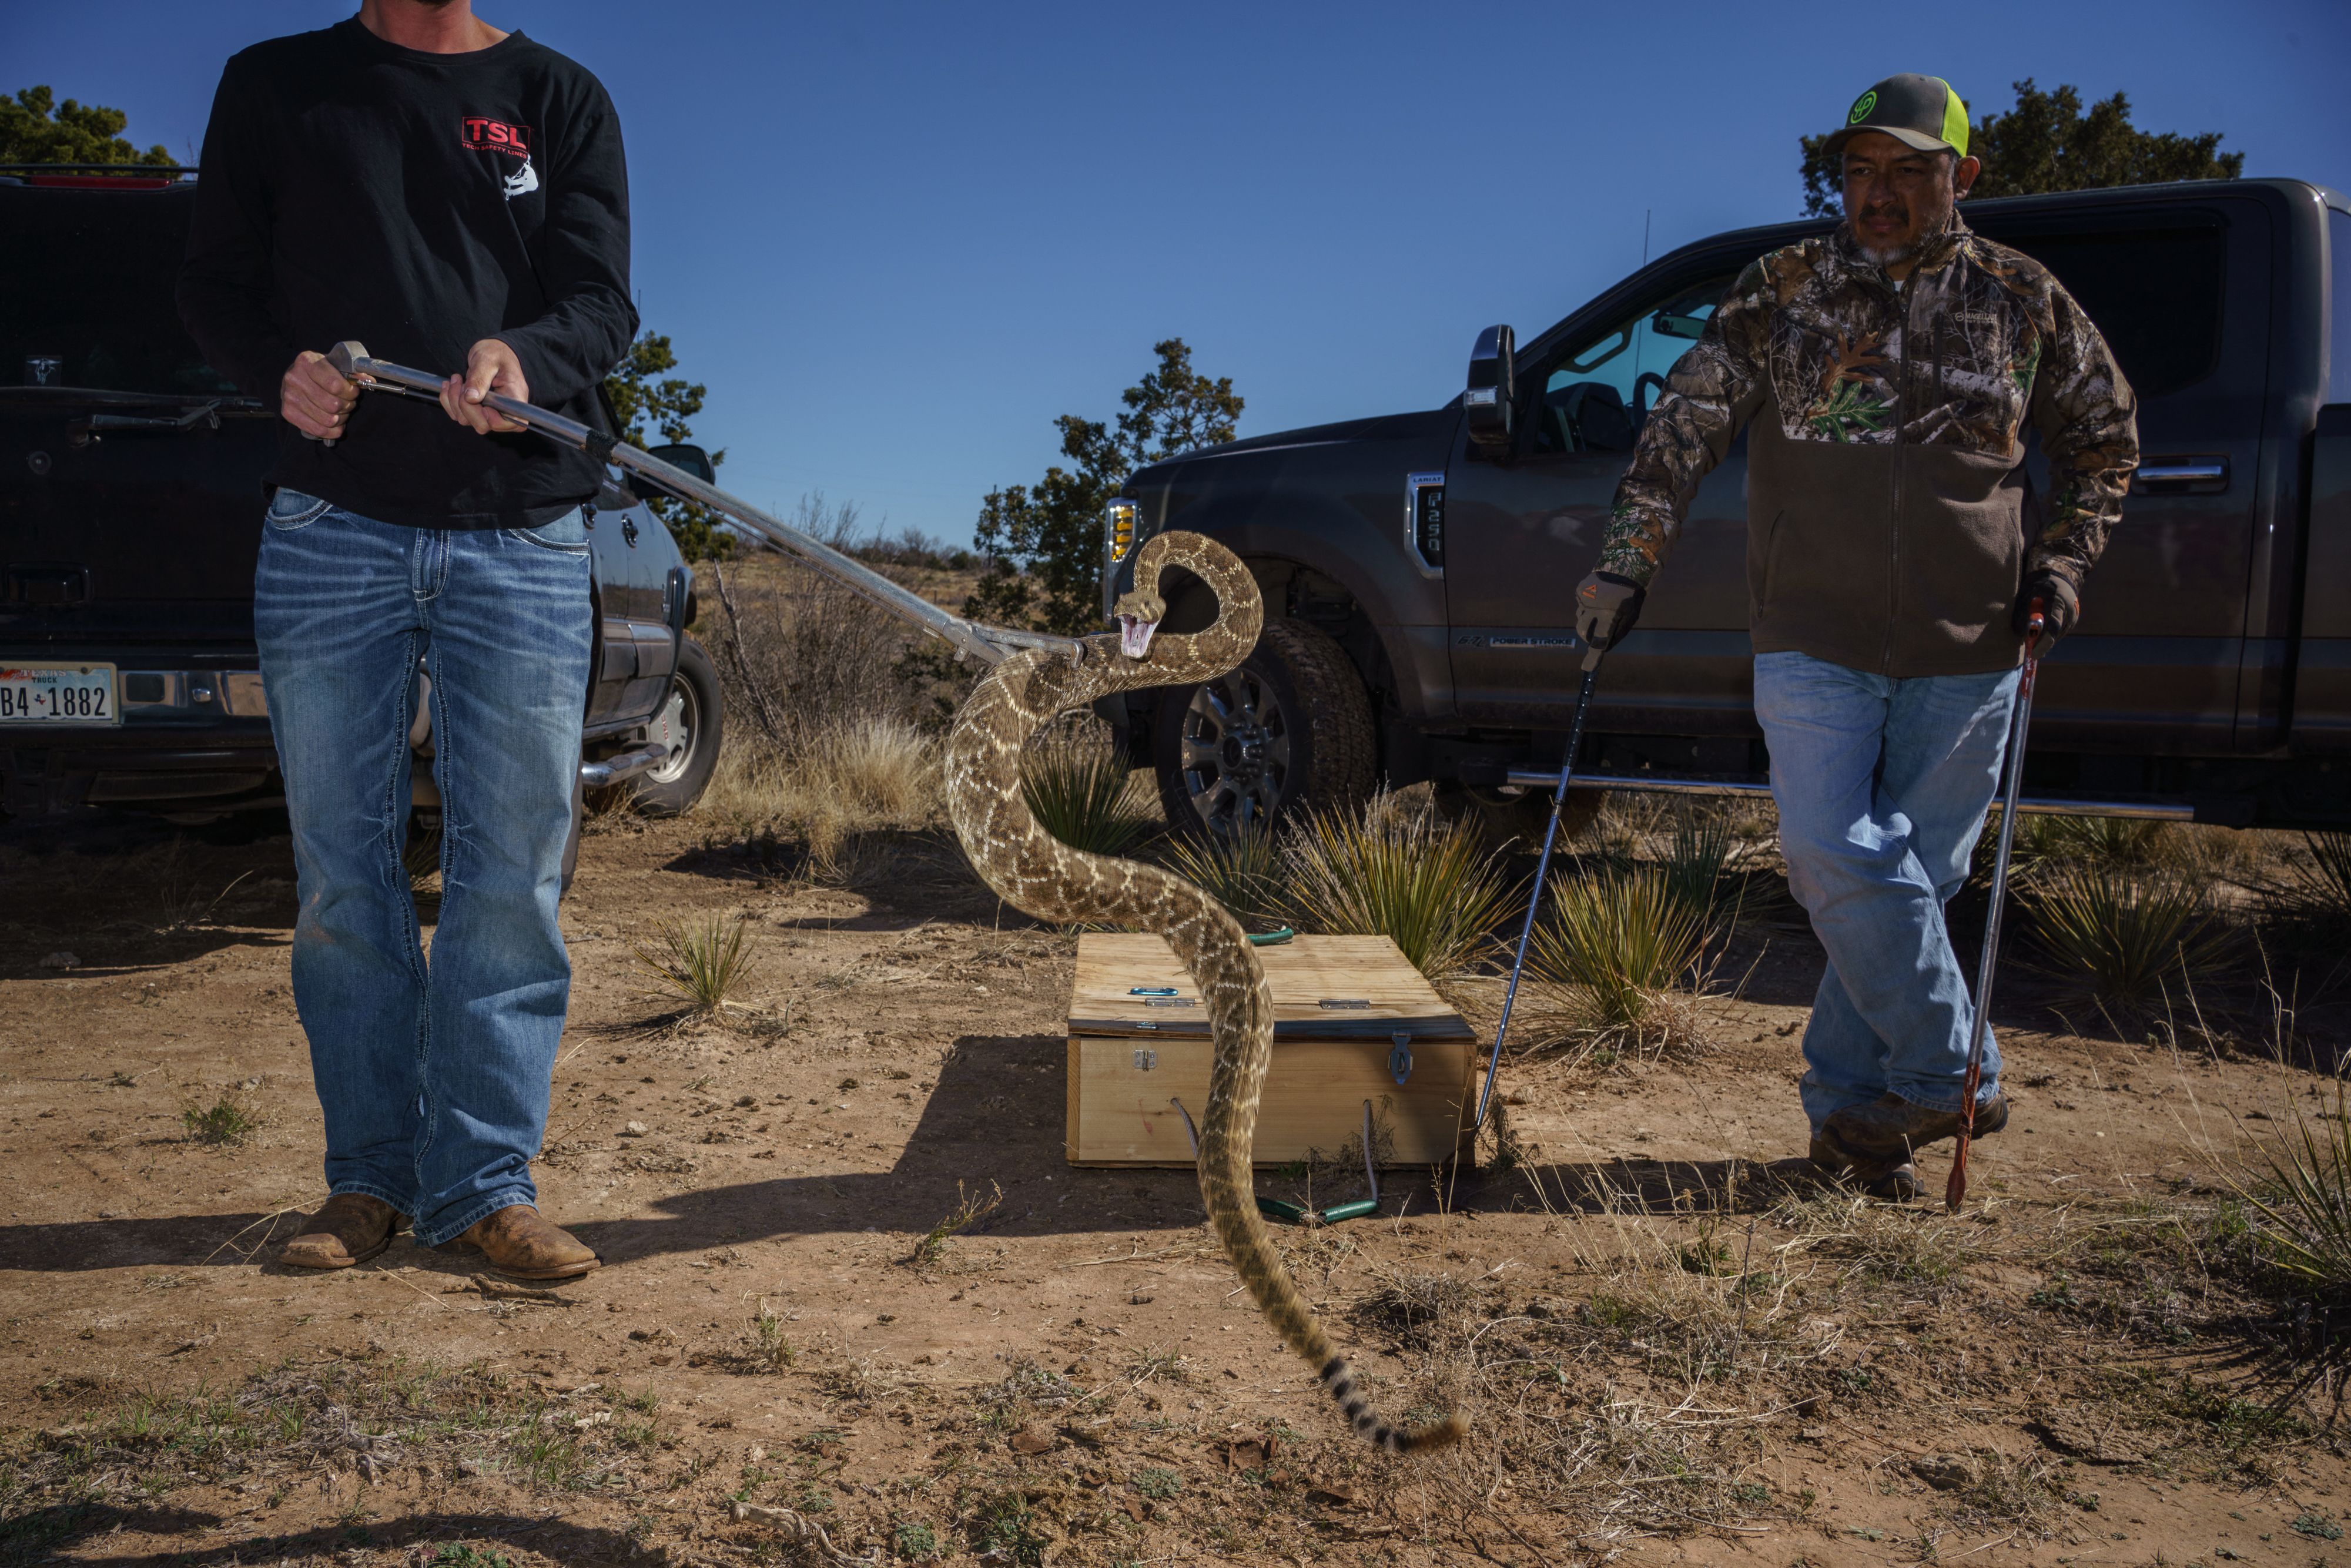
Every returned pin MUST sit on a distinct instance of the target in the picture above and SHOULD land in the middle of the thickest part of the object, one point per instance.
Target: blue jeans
(1883, 785)
(434, 1079)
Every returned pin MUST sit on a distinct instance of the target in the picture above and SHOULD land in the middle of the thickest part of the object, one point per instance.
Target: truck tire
(1290, 726)
(693, 723)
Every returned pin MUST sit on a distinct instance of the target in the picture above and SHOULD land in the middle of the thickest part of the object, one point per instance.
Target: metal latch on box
(1400, 1055)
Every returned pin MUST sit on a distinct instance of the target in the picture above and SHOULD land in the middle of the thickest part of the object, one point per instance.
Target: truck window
(2154, 293)
(86, 295)
(1596, 393)
(2338, 306)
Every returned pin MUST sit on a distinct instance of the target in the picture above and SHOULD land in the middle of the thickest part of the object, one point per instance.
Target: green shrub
(1617, 939)
(227, 1123)
(2315, 891)
(1241, 871)
(1406, 875)
(2300, 1198)
(2122, 934)
(702, 962)
(1078, 787)
(1699, 846)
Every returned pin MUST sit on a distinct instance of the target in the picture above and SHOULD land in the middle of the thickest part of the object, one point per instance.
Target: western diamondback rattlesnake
(1035, 871)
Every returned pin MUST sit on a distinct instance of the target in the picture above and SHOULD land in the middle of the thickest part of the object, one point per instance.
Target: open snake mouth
(1134, 635)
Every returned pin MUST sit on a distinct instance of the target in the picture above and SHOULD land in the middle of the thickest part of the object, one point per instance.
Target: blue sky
(896, 240)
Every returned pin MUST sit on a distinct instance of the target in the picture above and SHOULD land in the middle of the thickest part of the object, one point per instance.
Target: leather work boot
(1894, 1180)
(351, 1228)
(1890, 1127)
(523, 1244)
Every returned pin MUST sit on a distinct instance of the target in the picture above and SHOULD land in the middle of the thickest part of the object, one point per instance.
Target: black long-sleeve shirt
(418, 204)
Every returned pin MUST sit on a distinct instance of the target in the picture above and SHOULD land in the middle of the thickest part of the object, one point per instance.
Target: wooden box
(1348, 1012)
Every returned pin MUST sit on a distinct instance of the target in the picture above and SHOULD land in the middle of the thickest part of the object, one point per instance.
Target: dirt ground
(1670, 1343)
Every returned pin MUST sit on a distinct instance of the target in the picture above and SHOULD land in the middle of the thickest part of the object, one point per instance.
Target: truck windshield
(86, 294)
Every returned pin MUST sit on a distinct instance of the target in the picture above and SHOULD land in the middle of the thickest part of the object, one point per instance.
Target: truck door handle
(2205, 474)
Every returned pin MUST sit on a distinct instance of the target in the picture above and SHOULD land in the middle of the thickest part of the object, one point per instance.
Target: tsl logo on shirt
(483, 134)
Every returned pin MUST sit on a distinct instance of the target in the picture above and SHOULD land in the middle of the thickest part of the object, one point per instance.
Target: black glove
(2060, 607)
(1607, 606)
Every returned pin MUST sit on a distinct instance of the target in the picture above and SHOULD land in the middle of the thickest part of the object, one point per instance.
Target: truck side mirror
(1492, 390)
(691, 458)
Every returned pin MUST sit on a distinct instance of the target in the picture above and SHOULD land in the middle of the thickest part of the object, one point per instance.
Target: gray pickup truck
(1418, 568)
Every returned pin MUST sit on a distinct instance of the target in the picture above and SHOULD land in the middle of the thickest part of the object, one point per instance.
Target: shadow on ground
(39, 1535)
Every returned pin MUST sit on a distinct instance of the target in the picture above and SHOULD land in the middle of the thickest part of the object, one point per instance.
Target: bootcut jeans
(1883, 785)
(435, 1078)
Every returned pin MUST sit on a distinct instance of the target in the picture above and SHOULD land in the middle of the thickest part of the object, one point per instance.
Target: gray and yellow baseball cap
(1917, 111)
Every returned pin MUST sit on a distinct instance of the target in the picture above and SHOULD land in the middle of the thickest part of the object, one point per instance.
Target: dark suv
(130, 505)
(1419, 569)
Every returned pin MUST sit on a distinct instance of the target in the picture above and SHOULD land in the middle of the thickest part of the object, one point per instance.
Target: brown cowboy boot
(1890, 1127)
(351, 1228)
(523, 1244)
(1895, 1179)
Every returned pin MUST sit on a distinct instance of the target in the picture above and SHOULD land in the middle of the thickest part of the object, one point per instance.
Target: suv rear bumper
(194, 733)
(227, 763)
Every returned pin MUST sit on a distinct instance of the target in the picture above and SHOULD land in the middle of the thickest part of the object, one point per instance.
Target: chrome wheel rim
(1234, 751)
(673, 729)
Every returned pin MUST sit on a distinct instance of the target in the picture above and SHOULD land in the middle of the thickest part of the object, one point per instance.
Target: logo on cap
(1861, 106)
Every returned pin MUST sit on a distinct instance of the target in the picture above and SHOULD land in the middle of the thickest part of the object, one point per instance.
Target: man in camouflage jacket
(1885, 374)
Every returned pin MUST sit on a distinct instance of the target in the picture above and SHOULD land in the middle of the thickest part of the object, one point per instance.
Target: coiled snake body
(1037, 873)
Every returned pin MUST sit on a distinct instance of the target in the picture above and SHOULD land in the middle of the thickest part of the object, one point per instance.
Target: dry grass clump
(802, 656)
(1400, 872)
(970, 1210)
(873, 774)
(1411, 1306)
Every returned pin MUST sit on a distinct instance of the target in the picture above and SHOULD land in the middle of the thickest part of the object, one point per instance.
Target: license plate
(58, 693)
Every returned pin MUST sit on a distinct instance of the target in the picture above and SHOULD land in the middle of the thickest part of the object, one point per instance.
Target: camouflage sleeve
(2088, 419)
(1711, 392)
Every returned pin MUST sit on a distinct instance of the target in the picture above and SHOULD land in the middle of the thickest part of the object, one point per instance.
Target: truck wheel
(691, 724)
(1292, 723)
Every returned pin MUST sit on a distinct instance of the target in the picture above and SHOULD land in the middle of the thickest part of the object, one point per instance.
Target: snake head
(1139, 615)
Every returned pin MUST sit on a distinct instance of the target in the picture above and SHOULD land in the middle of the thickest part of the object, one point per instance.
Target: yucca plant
(702, 962)
(1241, 871)
(1699, 845)
(2302, 1197)
(2123, 934)
(2317, 889)
(1408, 876)
(1616, 940)
(1077, 787)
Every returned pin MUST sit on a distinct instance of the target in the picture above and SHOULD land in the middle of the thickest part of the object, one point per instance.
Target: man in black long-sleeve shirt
(445, 193)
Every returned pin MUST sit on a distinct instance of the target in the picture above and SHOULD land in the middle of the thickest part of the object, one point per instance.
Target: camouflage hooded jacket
(1885, 481)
